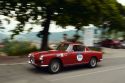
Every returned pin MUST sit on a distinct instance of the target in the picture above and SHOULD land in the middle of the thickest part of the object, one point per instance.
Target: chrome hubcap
(55, 67)
(93, 62)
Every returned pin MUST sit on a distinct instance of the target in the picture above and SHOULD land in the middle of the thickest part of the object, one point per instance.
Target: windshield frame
(63, 47)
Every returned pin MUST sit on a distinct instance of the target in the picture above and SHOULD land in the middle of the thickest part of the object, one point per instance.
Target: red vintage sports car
(67, 54)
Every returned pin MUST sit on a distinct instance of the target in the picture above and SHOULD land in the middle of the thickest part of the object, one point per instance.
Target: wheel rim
(55, 67)
(93, 62)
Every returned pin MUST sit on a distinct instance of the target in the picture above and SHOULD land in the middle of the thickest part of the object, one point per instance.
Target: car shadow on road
(64, 70)
(78, 68)
(38, 70)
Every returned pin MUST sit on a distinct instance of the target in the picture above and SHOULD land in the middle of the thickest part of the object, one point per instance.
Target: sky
(36, 28)
(121, 1)
(53, 27)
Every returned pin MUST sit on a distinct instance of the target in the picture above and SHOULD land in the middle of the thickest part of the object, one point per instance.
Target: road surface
(110, 70)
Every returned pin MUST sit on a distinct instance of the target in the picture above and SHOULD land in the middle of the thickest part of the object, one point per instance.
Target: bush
(16, 48)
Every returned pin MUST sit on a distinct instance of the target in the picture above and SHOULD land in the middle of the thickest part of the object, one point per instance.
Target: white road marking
(79, 75)
(110, 57)
(13, 64)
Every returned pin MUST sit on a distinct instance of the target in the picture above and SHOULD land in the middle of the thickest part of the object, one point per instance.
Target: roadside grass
(17, 48)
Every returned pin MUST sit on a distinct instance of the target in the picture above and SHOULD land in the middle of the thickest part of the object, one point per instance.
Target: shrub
(16, 48)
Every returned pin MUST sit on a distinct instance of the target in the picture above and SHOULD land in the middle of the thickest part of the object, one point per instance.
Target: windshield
(63, 47)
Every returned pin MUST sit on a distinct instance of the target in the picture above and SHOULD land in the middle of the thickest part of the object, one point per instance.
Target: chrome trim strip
(38, 65)
(44, 65)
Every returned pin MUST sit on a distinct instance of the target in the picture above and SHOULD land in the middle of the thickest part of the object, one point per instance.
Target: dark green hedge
(16, 48)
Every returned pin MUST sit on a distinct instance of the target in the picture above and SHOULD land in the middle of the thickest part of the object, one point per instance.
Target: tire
(54, 66)
(92, 62)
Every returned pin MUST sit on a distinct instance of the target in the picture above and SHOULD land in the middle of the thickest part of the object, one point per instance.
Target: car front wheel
(93, 62)
(54, 66)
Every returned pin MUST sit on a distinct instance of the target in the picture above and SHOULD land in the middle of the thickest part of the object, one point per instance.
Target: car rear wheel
(55, 66)
(93, 62)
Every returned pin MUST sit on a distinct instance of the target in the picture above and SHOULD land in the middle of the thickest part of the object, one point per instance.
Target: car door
(77, 55)
(69, 59)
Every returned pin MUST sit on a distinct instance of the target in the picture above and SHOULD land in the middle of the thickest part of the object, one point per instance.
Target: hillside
(31, 36)
(3, 36)
(56, 36)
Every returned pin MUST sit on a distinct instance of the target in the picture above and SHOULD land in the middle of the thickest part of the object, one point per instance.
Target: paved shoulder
(12, 59)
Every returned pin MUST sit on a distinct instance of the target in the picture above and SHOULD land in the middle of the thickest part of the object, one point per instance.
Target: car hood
(47, 53)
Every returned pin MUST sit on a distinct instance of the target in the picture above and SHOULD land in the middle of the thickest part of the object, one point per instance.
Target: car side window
(78, 48)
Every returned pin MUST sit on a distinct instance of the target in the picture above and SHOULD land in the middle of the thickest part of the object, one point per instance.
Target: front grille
(38, 62)
(32, 60)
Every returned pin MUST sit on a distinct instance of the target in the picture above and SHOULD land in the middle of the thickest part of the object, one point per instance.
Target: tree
(94, 12)
(64, 12)
(114, 14)
(32, 9)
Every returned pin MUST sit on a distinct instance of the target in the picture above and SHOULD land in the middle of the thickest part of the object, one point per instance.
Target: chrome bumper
(37, 65)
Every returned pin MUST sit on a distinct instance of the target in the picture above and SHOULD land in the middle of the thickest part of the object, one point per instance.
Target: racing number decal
(79, 57)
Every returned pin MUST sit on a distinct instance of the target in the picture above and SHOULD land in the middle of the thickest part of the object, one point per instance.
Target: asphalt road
(110, 70)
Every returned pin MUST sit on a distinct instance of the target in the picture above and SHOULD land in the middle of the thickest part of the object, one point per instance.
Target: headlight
(41, 58)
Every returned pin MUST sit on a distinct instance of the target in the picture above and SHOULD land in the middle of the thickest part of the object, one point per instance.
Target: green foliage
(79, 13)
(16, 48)
(64, 12)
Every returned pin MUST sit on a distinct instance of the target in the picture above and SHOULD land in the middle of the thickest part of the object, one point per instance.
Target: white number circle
(79, 57)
